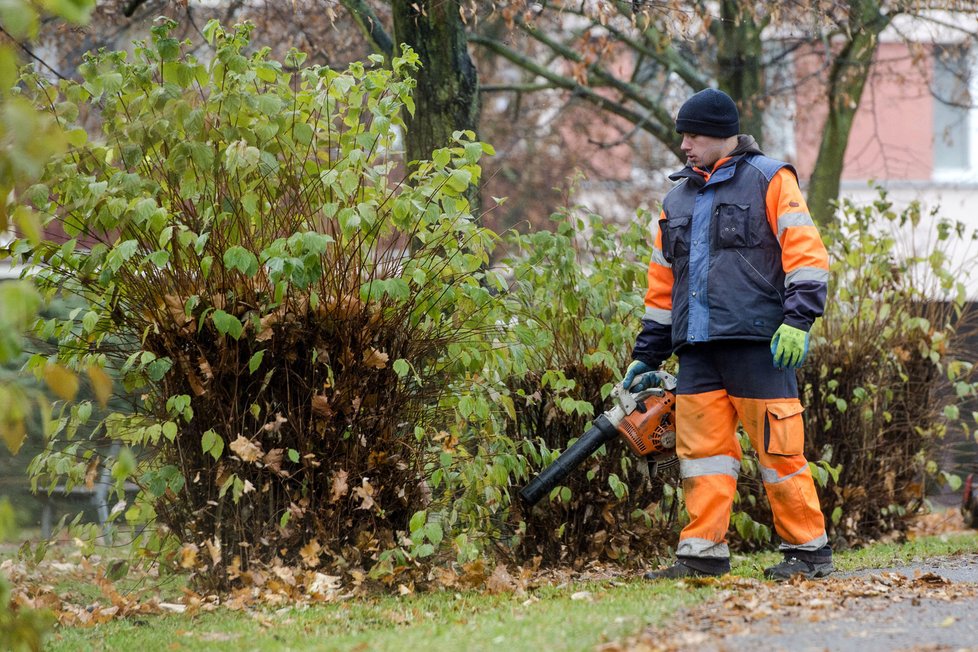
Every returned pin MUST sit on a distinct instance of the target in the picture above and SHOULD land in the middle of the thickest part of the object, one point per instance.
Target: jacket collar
(724, 169)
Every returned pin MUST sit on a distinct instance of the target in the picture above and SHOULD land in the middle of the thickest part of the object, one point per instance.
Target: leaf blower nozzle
(600, 432)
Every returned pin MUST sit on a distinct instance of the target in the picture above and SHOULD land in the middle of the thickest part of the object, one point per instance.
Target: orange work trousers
(721, 384)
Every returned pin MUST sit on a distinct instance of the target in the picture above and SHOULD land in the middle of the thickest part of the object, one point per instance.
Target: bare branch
(371, 27)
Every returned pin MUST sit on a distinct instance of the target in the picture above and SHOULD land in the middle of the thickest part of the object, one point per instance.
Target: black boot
(810, 565)
(691, 567)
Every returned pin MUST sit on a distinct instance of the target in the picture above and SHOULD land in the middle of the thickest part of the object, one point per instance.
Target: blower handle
(601, 431)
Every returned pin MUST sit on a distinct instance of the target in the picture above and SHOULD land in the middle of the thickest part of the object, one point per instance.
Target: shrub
(287, 305)
(575, 306)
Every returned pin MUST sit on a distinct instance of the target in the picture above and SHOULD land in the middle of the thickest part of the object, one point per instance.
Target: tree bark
(447, 94)
(847, 79)
(740, 69)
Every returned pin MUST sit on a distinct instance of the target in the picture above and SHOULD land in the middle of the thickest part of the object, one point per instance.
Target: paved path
(923, 606)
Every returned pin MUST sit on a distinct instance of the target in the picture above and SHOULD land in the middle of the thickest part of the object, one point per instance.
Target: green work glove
(637, 368)
(789, 346)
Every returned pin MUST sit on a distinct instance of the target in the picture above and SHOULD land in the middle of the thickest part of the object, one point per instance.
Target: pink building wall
(892, 135)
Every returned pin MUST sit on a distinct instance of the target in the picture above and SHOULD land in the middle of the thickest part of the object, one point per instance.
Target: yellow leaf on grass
(101, 384)
(62, 382)
(310, 553)
(246, 449)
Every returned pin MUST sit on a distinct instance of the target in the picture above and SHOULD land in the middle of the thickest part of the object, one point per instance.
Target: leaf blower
(647, 423)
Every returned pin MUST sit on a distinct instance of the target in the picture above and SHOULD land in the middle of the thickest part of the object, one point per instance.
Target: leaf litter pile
(752, 607)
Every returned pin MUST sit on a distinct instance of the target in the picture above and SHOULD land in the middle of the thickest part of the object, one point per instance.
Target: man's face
(703, 151)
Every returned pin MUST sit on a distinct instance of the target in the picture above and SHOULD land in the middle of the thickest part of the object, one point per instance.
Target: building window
(953, 87)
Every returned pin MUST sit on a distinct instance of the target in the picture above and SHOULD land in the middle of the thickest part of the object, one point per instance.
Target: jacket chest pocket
(675, 237)
(734, 227)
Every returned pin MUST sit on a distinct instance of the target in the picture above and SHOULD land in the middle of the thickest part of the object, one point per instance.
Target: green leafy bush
(291, 309)
(574, 308)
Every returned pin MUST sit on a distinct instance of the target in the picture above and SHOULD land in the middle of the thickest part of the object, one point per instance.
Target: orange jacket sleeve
(803, 255)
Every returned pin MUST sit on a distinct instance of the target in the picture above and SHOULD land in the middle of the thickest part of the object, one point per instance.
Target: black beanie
(709, 113)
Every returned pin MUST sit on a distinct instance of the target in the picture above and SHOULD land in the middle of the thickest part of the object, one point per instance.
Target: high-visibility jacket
(736, 254)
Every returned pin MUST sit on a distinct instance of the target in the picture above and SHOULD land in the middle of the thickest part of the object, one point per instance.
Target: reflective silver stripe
(770, 476)
(659, 259)
(716, 465)
(806, 274)
(658, 315)
(793, 219)
(814, 544)
(694, 547)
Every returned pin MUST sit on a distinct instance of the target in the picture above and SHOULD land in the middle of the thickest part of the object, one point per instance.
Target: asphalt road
(929, 605)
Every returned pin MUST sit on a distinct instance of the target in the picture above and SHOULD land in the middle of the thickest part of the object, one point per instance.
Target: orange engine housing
(653, 431)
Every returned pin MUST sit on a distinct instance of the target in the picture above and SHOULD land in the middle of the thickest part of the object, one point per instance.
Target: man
(737, 277)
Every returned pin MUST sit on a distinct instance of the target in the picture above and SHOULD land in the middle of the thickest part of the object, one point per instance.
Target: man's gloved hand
(789, 346)
(637, 368)
(645, 381)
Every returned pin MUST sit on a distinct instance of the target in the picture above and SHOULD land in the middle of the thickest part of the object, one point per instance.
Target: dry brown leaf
(375, 359)
(188, 555)
(246, 449)
(340, 487)
(273, 460)
(444, 577)
(175, 306)
(90, 472)
(473, 574)
(320, 406)
(276, 425)
(310, 553)
(214, 550)
(500, 581)
(366, 493)
(267, 323)
(205, 368)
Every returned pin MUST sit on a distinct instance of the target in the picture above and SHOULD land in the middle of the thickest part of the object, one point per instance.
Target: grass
(549, 618)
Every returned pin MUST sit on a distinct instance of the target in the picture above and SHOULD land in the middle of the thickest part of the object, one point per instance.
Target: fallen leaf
(581, 595)
(310, 553)
(214, 550)
(473, 574)
(320, 406)
(366, 492)
(340, 487)
(500, 581)
(375, 359)
(246, 449)
(276, 425)
(188, 555)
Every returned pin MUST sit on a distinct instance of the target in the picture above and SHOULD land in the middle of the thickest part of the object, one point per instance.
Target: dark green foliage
(292, 312)
(576, 305)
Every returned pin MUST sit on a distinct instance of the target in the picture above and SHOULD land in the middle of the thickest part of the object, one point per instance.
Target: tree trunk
(740, 70)
(847, 79)
(447, 94)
